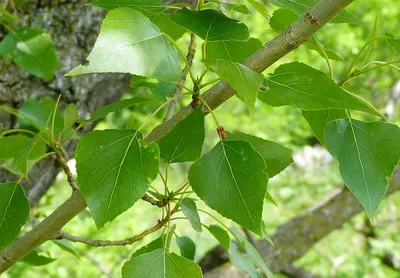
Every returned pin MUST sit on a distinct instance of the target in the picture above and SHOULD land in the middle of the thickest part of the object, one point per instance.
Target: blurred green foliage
(345, 253)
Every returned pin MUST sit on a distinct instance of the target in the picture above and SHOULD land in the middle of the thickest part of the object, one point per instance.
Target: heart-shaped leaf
(127, 43)
(368, 154)
(232, 179)
(236, 51)
(114, 171)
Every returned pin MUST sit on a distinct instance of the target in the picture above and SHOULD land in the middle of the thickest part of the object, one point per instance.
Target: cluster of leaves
(115, 168)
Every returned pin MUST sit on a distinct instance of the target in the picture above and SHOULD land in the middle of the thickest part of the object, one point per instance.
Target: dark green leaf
(282, 18)
(127, 45)
(252, 252)
(160, 89)
(14, 211)
(114, 171)
(155, 244)
(70, 115)
(303, 6)
(114, 107)
(276, 156)
(185, 140)
(269, 198)
(166, 26)
(32, 50)
(33, 258)
(66, 245)
(230, 7)
(211, 25)
(368, 154)
(187, 247)
(221, 235)
(236, 51)
(304, 87)
(11, 146)
(394, 42)
(242, 261)
(232, 179)
(160, 264)
(245, 81)
(144, 6)
(318, 120)
(189, 209)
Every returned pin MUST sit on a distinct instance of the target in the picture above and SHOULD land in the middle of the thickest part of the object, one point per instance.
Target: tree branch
(292, 37)
(67, 171)
(293, 239)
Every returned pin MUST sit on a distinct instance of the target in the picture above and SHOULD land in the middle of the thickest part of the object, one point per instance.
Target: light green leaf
(187, 247)
(114, 171)
(368, 154)
(185, 140)
(242, 261)
(189, 209)
(154, 245)
(33, 50)
(211, 25)
(221, 235)
(162, 90)
(127, 43)
(114, 107)
(239, 180)
(394, 42)
(14, 211)
(265, 233)
(144, 6)
(304, 87)
(252, 252)
(318, 120)
(160, 264)
(276, 156)
(269, 198)
(33, 258)
(166, 26)
(260, 7)
(235, 51)
(231, 7)
(70, 115)
(245, 81)
(11, 146)
(67, 246)
(301, 7)
(282, 18)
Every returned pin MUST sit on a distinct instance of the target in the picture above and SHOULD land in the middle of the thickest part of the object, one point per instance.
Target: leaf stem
(53, 120)
(17, 130)
(209, 83)
(210, 110)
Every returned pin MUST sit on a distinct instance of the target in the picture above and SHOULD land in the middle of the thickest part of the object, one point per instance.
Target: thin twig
(67, 171)
(178, 89)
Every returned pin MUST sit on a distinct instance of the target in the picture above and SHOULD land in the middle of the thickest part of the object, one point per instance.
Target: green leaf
(232, 179)
(235, 51)
(269, 198)
(368, 154)
(162, 90)
(144, 6)
(282, 18)
(304, 87)
(166, 26)
(301, 7)
(252, 252)
(276, 156)
(220, 234)
(230, 7)
(185, 140)
(114, 107)
(128, 46)
(187, 247)
(114, 171)
(265, 233)
(211, 25)
(242, 261)
(11, 146)
(260, 7)
(155, 244)
(160, 264)
(70, 115)
(67, 246)
(189, 209)
(33, 258)
(319, 119)
(33, 50)
(245, 81)
(35, 113)
(14, 211)
(394, 42)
